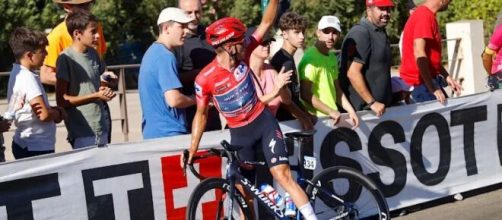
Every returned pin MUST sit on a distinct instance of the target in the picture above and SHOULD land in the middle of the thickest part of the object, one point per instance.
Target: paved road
(483, 204)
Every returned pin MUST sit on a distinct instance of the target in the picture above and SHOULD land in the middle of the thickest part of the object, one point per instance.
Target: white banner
(416, 153)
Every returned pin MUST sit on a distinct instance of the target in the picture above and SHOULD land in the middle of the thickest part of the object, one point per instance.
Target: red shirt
(233, 93)
(421, 24)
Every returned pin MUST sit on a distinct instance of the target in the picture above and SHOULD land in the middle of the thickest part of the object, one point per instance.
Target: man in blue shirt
(162, 101)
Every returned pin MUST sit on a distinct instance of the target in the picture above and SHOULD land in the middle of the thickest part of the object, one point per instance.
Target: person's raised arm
(268, 19)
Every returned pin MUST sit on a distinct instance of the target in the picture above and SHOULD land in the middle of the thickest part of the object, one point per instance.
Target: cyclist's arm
(198, 126)
(268, 19)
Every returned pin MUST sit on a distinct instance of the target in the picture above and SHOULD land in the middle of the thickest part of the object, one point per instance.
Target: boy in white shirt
(35, 119)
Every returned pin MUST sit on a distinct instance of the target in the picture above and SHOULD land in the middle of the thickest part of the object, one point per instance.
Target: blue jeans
(20, 152)
(421, 93)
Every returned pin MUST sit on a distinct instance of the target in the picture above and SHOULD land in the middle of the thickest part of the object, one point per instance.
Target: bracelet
(371, 103)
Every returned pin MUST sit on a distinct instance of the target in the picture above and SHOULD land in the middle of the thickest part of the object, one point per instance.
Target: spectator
(60, 39)
(192, 57)
(34, 118)
(4, 126)
(159, 85)
(293, 28)
(492, 59)
(78, 89)
(367, 58)
(421, 64)
(270, 86)
(228, 82)
(318, 70)
(411, 5)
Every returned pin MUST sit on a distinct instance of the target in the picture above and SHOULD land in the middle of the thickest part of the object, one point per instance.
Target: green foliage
(35, 14)
(485, 10)
(127, 21)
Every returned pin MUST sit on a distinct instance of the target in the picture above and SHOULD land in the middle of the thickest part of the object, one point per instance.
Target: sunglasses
(266, 43)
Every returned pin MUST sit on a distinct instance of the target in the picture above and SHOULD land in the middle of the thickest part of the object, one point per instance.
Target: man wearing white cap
(367, 58)
(318, 71)
(159, 85)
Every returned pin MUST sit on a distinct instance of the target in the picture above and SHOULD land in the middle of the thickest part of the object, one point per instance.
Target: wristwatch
(371, 103)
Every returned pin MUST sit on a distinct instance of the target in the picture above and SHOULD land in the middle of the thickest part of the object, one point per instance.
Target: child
(78, 72)
(4, 126)
(34, 118)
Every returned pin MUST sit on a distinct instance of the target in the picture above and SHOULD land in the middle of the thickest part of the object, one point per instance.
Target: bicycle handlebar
(211, 152)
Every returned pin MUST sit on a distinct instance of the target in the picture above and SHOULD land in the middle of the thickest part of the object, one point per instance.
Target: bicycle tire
(352, 183)
(212, 209)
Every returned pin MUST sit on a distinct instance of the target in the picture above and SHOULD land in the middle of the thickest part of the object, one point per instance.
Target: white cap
(329, 21)
(173, 14)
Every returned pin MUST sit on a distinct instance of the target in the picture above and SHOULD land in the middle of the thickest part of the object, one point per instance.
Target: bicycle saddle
(229, 147)
(301, 134)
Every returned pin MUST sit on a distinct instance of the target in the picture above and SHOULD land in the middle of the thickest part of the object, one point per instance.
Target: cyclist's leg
(276, 155)
(243, 137)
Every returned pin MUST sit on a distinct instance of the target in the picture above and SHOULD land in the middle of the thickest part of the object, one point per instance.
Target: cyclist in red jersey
(228, 83)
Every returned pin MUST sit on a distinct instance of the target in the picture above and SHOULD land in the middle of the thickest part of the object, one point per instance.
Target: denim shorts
(421, 93)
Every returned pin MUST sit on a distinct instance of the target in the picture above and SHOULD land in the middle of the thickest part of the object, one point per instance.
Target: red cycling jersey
(233, 93)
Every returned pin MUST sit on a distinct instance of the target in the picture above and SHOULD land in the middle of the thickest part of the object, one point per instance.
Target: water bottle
(15, 103)
(289, 209)
(271, 194)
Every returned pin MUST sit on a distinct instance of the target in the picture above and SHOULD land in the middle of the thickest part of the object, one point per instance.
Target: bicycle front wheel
(345, 193)
(211, 200)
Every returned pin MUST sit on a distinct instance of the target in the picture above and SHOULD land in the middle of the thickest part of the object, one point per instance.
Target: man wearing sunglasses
(366, 60)
(318, 72)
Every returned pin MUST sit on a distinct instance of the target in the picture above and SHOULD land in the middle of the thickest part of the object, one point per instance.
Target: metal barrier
(124, 120)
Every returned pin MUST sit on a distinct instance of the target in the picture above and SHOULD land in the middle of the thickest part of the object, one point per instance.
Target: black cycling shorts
(264, 131)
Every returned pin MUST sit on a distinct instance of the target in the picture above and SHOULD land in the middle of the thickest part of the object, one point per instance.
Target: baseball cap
(380, 3)
(173, 14)
(267, 38)
(329, 21)
(72, 2)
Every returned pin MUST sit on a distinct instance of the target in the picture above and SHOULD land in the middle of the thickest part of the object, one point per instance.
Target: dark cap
(410, 5)
(267, 38)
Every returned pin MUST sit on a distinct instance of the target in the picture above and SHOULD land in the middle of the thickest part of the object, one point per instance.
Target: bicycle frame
(234, 176)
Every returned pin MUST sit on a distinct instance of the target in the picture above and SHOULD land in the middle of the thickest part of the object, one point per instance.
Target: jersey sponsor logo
(198, 89)
(238, 100)
(241, 71)
(283, 159)
(271, 145)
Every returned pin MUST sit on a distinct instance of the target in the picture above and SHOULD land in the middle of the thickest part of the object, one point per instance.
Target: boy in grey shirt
(80, 88)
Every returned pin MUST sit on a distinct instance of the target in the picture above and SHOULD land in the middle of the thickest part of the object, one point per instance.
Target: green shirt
(322, 71)
(82, 72)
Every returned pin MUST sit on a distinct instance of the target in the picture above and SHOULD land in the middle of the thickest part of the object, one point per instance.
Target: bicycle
(324, 194)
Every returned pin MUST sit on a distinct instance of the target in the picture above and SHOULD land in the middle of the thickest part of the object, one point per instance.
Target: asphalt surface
(485, 203)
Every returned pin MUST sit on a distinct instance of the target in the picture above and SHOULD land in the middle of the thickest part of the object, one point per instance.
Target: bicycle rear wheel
(360, 197)
(211, 199)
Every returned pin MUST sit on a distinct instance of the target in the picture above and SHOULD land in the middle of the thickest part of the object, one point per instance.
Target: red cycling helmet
(225, 30)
